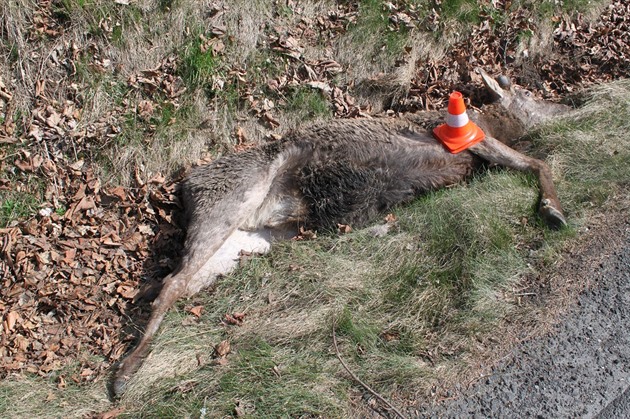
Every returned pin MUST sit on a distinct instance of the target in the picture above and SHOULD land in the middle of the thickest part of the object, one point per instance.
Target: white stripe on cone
(456, 121)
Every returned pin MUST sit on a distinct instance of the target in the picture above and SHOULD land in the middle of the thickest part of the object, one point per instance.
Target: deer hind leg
(212, 246)
(173, 288)
(496, 152)
(188, 281)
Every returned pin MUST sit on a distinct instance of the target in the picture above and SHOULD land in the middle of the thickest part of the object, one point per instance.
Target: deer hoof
(551, 215)
(119, 385)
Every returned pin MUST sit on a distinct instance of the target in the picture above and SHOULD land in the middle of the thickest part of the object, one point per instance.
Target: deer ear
(491, 84)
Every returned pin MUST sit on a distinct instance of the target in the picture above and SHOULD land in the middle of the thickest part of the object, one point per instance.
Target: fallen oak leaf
(344, 228)
(305, 235)
(127, 291)
(80, 194)
(10, 321)
(118, 192)
(389, 336)
(320, 85)
(196, 311)
(53, 119)
(157, 179)
(21, 343)
(24, 166)
(145, 109)
(239, 132)
(61, 384)
(70, 254)
(234, 319)
(222, 349)
(270, 120)
(78, 165)
(110, 414)
(111, 241)
(86, 203)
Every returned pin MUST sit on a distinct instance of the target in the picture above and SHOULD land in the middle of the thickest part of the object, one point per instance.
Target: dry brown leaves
(158, 87)
(583, 52)
(598, 51)
(234, 319)
(300, 71)
(44, 22)
(71, 280)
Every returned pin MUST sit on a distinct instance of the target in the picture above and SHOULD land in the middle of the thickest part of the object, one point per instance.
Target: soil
(579, 369)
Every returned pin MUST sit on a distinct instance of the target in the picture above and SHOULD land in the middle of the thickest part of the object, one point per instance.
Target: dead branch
(358, 380)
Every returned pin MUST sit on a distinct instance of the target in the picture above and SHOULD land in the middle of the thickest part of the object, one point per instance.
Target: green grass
(548, 8)
(370, 287)
(17, 206)
(107, 20)
(410, 310)
(352, 324)
(25, 192)
(36, 396)
(371, 31)
(308, 103)
(592, 149)
(198, 65)
(464, 11)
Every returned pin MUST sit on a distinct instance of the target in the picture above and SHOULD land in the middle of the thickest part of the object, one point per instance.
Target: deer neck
(497, 122)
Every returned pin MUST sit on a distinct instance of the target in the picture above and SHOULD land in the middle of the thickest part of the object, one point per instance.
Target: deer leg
(496, 152)
(197, 273)
(212, 237)
(174, 288)
(187, 282)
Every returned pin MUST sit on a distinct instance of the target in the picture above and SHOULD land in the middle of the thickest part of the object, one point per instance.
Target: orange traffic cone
(459, 132)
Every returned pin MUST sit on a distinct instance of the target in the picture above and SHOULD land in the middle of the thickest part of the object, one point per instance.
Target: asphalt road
(580, 369)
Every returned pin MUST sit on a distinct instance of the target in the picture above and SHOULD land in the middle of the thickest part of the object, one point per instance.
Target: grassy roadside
(414, 310)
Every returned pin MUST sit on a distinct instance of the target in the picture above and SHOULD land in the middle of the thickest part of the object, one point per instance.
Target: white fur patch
(226, 258)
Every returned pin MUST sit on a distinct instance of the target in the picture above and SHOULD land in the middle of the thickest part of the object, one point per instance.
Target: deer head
(521, 103)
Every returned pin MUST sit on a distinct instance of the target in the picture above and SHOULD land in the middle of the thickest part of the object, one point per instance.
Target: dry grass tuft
(41, 397)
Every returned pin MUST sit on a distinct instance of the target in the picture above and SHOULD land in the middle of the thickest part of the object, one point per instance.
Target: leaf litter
(76, 272)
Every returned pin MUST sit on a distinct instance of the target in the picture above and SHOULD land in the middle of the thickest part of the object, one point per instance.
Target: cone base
(456, 142)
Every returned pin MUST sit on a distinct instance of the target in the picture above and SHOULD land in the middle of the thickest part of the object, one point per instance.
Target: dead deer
(338, 172)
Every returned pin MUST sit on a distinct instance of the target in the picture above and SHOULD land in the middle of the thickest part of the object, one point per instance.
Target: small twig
(355, 378)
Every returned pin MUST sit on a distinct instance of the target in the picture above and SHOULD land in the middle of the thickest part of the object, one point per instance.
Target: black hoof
(552, 217)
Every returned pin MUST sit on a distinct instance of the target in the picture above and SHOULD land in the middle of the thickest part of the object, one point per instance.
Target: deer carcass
(338, 172)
